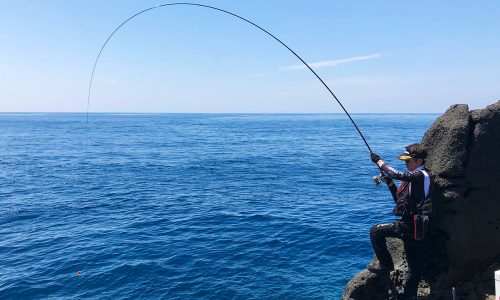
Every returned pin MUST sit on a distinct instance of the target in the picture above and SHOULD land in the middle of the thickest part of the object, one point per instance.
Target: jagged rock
(478, 245)
(367, 285)
(449, 182)
(446, 141)
(463, 242)
(483, 161)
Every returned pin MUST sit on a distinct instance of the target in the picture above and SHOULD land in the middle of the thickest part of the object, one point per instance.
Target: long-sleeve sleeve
(393, 173)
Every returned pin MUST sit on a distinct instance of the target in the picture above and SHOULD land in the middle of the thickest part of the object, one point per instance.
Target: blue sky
(377, 56)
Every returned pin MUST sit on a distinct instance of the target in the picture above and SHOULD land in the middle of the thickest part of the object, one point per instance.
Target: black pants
(413, 250)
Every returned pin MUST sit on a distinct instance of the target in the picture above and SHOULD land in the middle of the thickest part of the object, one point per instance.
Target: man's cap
(413, 152)
(406, 156)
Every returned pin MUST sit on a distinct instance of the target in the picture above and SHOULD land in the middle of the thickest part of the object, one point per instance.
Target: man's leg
(378, 233)
(415, 266)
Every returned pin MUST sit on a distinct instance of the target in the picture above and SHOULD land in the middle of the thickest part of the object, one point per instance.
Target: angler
(413, 206)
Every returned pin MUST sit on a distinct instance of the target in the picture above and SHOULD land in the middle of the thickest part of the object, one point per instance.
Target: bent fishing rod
(231, 14)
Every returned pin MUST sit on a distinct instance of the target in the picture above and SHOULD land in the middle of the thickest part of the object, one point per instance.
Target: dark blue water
(182, 206)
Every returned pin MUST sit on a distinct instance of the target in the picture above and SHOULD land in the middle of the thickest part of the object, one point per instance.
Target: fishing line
(234, 15)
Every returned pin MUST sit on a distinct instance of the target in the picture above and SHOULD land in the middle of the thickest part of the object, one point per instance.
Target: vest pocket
(419, 226)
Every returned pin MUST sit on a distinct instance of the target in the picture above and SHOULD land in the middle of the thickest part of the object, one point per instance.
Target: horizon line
(214, 113)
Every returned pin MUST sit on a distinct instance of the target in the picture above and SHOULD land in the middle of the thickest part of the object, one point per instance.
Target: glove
(375, 158)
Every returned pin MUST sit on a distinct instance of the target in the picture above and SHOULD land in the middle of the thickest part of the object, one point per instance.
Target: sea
(191, 206)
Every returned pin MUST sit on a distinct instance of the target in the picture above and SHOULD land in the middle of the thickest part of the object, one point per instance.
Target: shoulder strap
(427, 183)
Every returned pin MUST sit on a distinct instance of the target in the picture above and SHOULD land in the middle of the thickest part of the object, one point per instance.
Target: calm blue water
(191, 206)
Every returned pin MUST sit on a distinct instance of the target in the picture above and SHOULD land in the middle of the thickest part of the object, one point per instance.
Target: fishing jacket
(415, 187)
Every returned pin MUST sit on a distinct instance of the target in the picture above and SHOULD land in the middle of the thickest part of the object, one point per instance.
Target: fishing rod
(234, 15)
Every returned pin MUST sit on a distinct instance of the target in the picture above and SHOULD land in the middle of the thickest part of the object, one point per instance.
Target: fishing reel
(381, 178)
(377, 179)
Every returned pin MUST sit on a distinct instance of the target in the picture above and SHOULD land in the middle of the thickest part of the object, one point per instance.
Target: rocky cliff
(463, 244)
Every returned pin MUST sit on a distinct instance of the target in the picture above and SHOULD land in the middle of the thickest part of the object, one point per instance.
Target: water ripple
(190, 206)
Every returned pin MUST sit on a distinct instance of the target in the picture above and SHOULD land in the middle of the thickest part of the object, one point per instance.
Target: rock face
(463, 244)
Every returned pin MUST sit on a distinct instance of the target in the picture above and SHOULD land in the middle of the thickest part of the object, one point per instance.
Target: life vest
(419, 212)
(423, 206)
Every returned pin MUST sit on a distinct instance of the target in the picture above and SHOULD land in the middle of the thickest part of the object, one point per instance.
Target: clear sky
(377, 56)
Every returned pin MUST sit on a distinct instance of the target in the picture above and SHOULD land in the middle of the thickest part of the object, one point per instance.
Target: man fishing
(411, 196)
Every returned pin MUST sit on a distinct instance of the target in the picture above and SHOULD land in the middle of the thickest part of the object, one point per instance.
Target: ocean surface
(191, 206)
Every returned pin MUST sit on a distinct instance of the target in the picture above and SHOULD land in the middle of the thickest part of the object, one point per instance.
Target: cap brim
(405, 157)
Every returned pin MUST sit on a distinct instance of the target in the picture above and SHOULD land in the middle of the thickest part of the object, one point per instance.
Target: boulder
(447, 142)
(463, 244)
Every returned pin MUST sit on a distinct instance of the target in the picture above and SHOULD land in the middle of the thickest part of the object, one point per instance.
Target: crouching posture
(412, 198)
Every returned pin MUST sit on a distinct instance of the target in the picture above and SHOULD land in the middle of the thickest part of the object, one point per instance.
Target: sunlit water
(191, 206)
